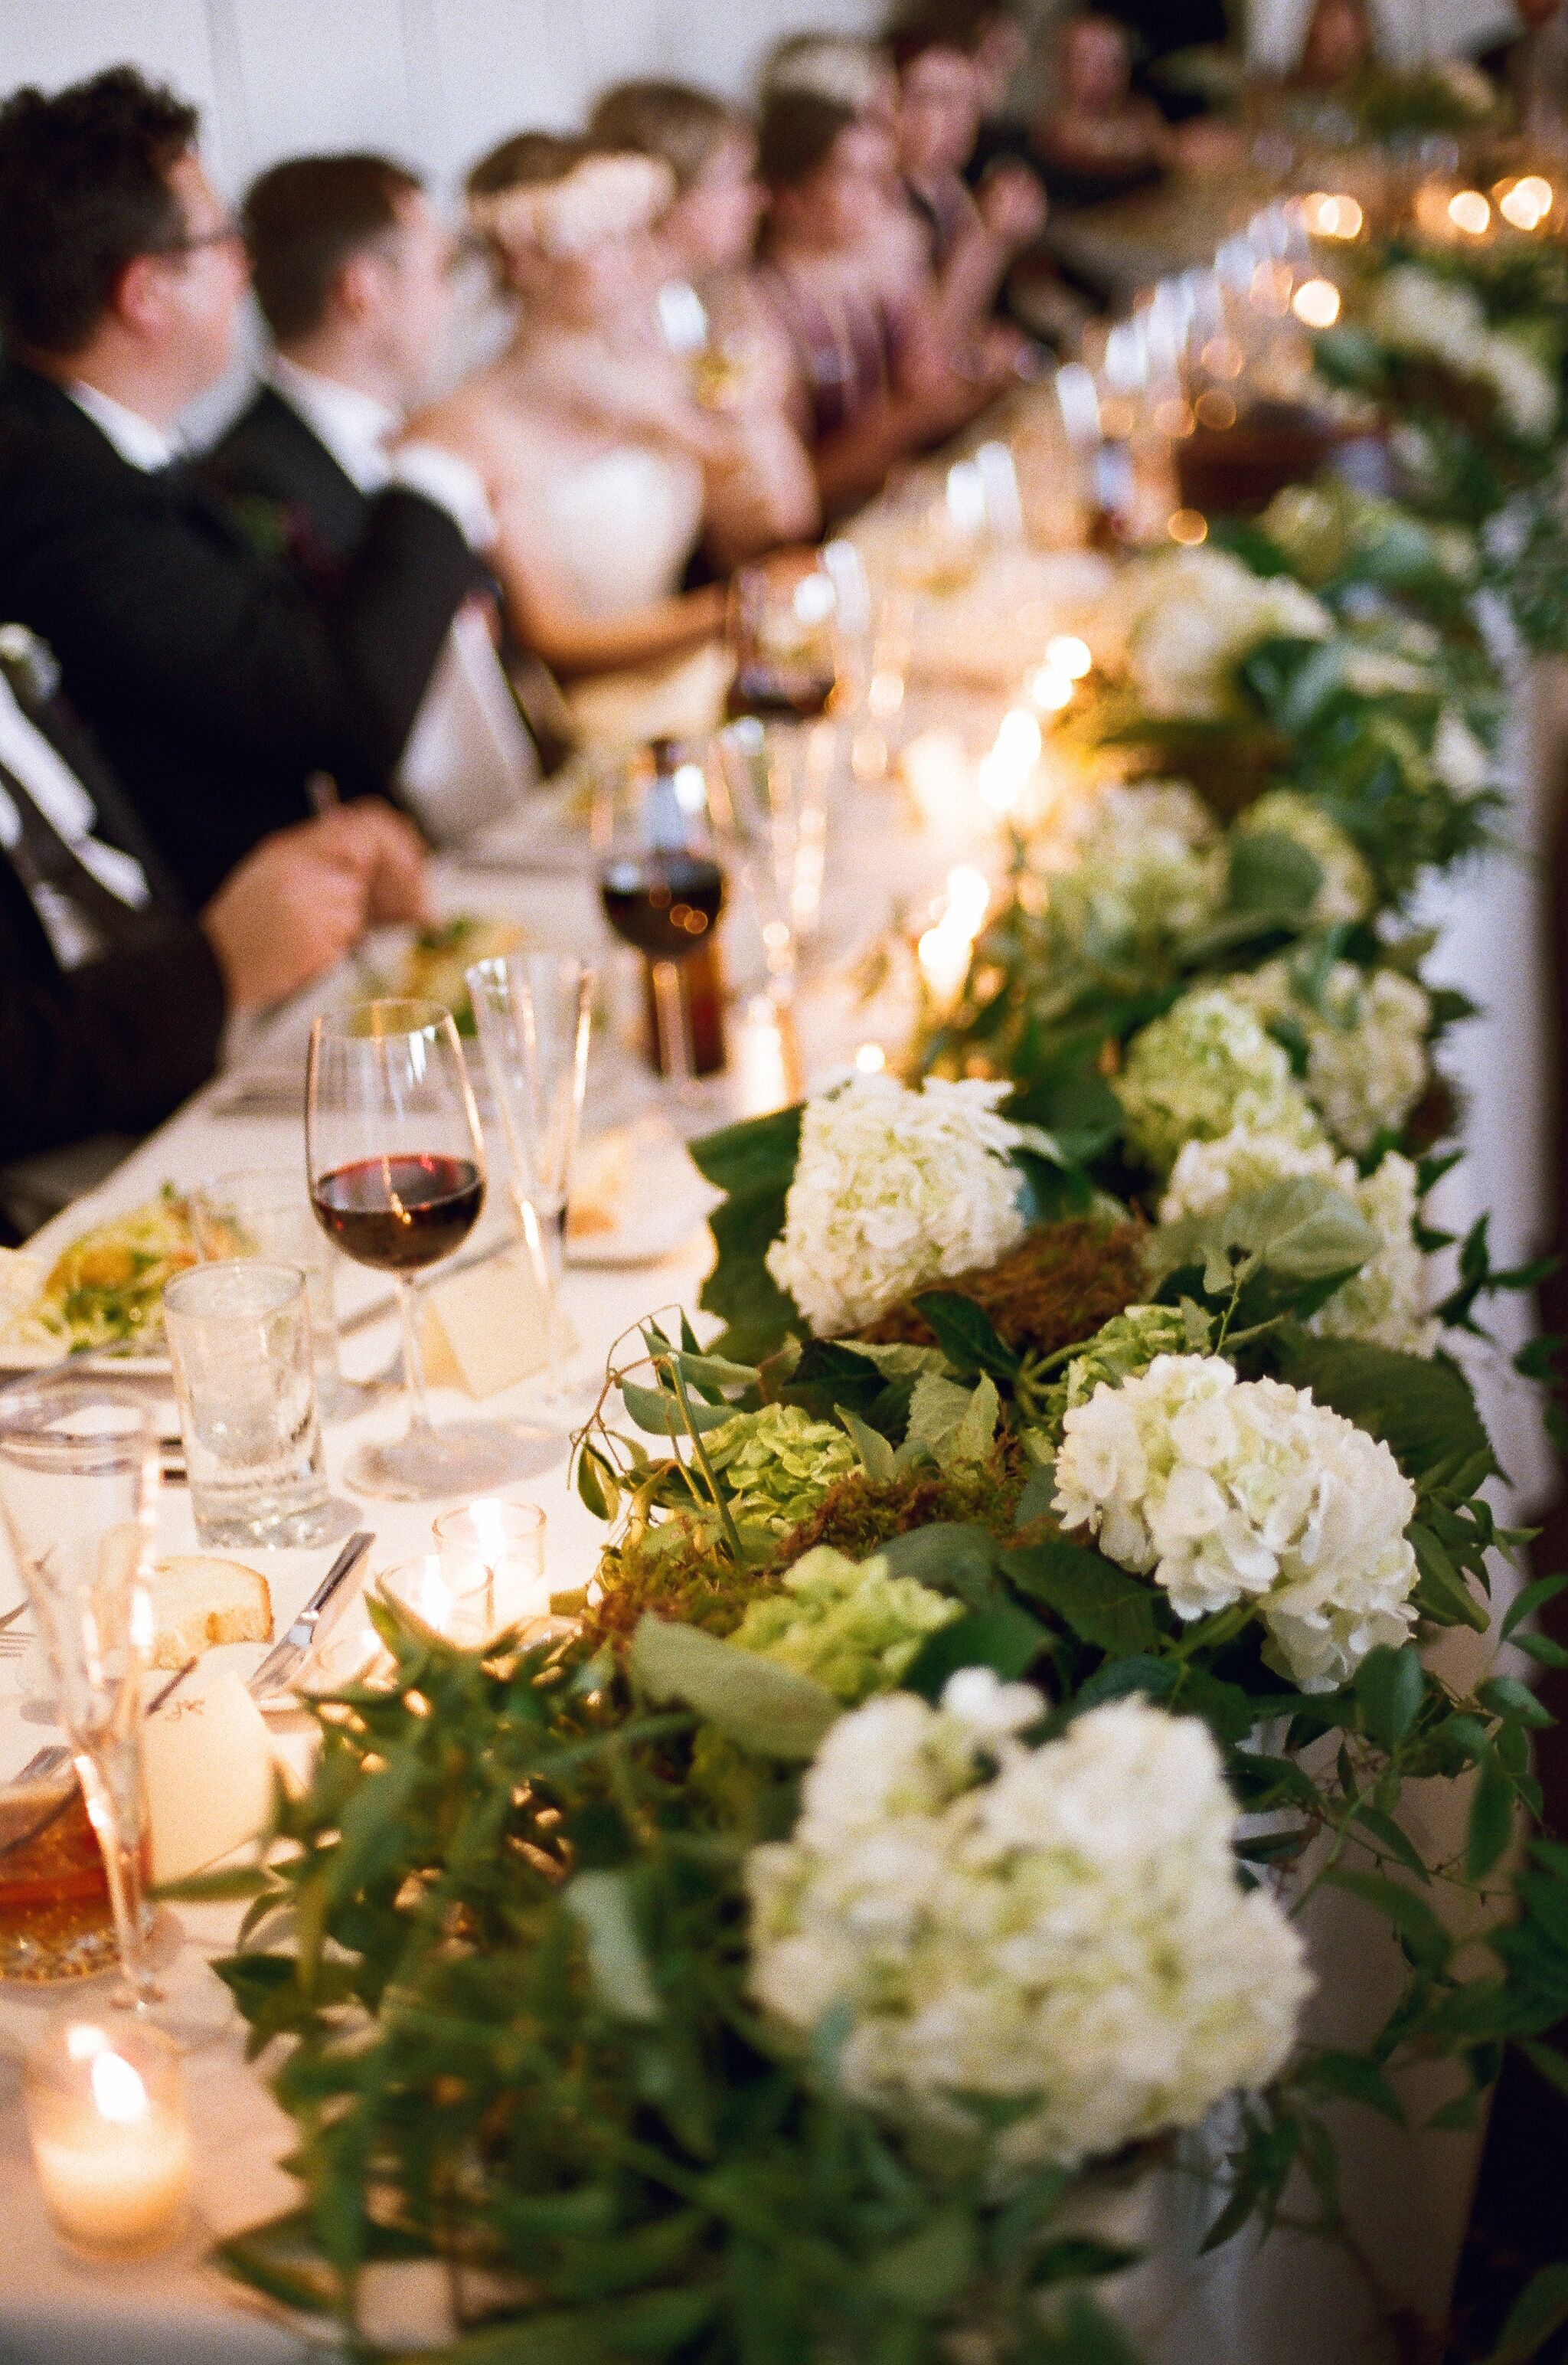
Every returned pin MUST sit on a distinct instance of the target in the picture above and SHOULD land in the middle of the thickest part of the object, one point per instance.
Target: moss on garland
(857, 1516)
(1057, 1286)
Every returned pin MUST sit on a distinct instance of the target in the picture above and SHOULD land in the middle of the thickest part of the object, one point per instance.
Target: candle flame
(118, 2090)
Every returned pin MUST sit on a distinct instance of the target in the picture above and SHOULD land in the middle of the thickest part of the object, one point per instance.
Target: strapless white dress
(620, 523)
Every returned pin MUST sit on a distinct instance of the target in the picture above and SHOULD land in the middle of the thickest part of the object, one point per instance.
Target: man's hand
(1011, 203)
(388, 852)
(291, 909)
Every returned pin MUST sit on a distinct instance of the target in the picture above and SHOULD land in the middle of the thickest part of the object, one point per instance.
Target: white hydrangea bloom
(1181, 621)
(1227, 1490)
(1414, 311)
(1459, 759)
(1347, 891)
(1062, 1925)
(1139, 860)
(895, 1190)
(1209, 1065)
(1386, 1301)
(1366, 1043)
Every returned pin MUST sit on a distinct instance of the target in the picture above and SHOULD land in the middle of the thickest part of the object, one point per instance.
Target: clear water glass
(534, 1012)
(78, 1495)
(265, 1211)
(241, 1343)
(507, 1540)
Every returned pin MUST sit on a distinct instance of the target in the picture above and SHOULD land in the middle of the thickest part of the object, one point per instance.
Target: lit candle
(507, 1540)
(765, 1057)
(944, 950)
(450, 1592)
(110, 2140)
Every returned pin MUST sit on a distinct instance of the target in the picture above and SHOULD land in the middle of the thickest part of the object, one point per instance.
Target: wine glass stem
(413, 1358)
(118, 1834)
(670, 1008)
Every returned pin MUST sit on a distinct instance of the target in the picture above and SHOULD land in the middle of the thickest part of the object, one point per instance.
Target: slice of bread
(199, 1602)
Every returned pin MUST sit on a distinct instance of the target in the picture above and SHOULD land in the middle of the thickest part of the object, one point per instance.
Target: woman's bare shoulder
(475, 416)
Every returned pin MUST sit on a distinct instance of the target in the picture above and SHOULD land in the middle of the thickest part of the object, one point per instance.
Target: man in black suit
(113, 997)
(217, 683)
(351, 268)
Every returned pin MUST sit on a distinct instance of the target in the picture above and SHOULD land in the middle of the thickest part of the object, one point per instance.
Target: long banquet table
(1294, 2303)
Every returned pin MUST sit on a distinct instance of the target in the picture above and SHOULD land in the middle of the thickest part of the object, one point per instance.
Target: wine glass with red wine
(396, 1170)
(662, 890)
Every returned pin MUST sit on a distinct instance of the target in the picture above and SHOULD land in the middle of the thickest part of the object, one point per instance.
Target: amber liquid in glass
(55, 1921)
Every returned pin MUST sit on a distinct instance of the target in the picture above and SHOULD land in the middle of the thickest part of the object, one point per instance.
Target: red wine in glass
(399, 1213)
(665, 902)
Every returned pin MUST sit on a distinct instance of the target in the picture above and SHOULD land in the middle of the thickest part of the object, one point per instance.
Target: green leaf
(767, 1708)
(1301, 1228)
(1533, 1597)
(1423, 1409)
(1352, 2075)
(925, 2274)
(1489, 1825)
(1430, 1944)
(950, 1557)
(1391, 1837)
(976, 1433)
(1004, 1637)
(1552, 2065)
(966, 1335)
(1389, 1684)
(1100, 1603)
(1442, 1592)
(1541, 2310)
(758, 1155)
(878, 1459)
(601, 1902)
(659, 1413)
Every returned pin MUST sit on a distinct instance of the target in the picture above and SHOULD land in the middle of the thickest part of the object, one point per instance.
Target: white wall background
(436, 81)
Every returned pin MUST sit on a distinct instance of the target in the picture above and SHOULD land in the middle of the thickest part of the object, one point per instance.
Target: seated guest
(876, 380)
(113, 998)
(973, 235)
(351, 270)
(1098, 140)
(711, 310)
(215, 682)
(591, 447)
(854, 72)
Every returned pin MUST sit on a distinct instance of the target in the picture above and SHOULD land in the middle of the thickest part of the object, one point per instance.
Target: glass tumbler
(265, 1211)
(240, 1340)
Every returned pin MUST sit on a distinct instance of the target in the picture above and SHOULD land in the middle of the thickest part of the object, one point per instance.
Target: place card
(484, 1329)
(210, 1774)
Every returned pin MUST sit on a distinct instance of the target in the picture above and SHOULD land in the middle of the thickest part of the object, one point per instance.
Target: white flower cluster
(1386, 1301)
(1366, 1043)
(895, 1190)
(1207, 1066)
(1060, 1925)
(1181, 622)
(1416, 312)
(1229, 1490)
(1346, 892)
(1139, 861)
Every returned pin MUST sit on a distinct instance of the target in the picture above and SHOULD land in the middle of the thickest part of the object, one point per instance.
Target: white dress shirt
(468, 757)
(137, 440)
(65, 804)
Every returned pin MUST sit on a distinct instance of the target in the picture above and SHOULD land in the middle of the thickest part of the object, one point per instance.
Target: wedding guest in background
(974, 235)
(216, 681)
(591, 447)
(711, 310)
(852, 71)
(996, 43)
(113, 996)
(1098, 139)
(875, 378)
(351, 267)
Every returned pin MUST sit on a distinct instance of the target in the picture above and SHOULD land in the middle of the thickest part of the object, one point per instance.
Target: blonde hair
(682, 126)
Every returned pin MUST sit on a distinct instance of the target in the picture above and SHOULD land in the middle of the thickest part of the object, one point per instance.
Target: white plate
(41, 1355)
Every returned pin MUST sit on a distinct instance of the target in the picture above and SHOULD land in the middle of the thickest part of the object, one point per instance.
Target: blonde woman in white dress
(593, 451)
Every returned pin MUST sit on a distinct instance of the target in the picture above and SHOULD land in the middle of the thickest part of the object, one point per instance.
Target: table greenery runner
(1014, 1615)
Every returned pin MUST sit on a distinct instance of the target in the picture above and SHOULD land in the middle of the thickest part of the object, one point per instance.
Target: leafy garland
(506, 1942)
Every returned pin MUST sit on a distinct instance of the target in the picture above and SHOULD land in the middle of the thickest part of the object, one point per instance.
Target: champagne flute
(78, 1494)
(534, 1012)
(396, 1162)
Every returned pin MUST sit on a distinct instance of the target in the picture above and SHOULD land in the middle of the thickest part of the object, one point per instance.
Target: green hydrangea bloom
(849, 1624)
(1208, 1065)
(1122, 1348)
(778, 1462)
(1347, 890)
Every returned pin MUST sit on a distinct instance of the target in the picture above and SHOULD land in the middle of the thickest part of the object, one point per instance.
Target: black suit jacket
(115, 1045)
(285, 489)
(216, 680)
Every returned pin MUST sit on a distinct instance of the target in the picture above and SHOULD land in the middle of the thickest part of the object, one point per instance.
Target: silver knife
(286, 1656)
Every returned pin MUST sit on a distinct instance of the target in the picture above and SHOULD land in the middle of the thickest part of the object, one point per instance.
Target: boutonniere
(29, 664)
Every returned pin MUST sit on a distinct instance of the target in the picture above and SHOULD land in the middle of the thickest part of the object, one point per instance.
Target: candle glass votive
(110, 2138)
(240, 1340)
(448, 1592)
(508, 1540)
